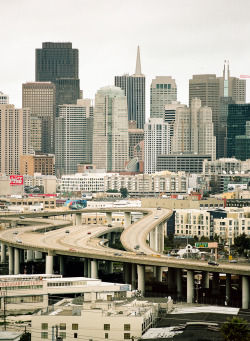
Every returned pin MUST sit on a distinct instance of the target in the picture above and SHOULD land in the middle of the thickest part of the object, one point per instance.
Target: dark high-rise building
(134, 89)
(58, 63)
(238, 115)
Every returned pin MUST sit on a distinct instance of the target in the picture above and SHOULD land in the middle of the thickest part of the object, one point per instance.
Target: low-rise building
(192, 223)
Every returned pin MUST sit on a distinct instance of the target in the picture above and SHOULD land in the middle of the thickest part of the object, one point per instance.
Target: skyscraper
(134, 89)
(156, 142)
(4, 99)
(193, 130)
(14, 137)
(238, 115)
(163, 91)
(135, 137)
(39, 97)
(72, 135)
(58, 63)
(110, 131)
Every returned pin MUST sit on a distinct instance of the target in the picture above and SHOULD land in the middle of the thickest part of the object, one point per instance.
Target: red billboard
(16, 180)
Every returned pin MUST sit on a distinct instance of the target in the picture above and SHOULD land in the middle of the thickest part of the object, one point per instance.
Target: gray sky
(177, 38)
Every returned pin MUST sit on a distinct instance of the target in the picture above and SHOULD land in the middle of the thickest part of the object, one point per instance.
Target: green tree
(235, 329)
(124, 192)
(242, 243)
(26, 337)
(169, 241)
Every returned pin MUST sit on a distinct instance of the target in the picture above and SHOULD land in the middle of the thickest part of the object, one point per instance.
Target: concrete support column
(109, 217)
(30, 256)
(152, 239)
(205, 280)
(158, 273)
(160, 238)
(127, 219)
(141, 278)
(21, 251)
(11, 260)
(109, 267)
(112, 237)
(3, 253)
(171, 276)
(94, 268)
(49, 264)
(126, 273)
(156, 238)
(179, 281)
(133, 276)
(78, 220)
(228, 287)
(245, 292)
(16, 262)
(62, 265)
(85, 269)
(216, 283)
(89, 268)
(190, 286)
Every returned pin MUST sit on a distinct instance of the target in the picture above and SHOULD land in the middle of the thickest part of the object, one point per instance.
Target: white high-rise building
(4, 99)
(193, 130)
(156, 141)
(72, 136)
(163, 91)
(14, 137)
(110, 129)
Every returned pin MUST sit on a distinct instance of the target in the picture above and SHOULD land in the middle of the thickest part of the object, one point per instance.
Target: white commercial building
(156, 141)
(225, 166)
(110, 129)
(192, 223)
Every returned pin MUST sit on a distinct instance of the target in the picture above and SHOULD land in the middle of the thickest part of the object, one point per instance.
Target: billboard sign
(16, 180)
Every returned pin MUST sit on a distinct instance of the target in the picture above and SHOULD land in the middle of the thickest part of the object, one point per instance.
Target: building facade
(14, 137)
(39, 97)
(163, 91)
(135, 136)
(4, 99)
(156, 142)
(38, 163)
(110, 130)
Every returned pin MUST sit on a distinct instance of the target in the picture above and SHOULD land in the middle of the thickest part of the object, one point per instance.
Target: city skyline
(174, 43)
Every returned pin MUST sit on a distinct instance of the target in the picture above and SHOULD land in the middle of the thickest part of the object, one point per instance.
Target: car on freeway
(117, 254)
(89, 232)
(156, 217)
(109, 225)
(18, 241)
(212, 262)
(72, 249)
(158, 208)
(67, 231)
(22, 217)
(141, 253)
(233, 261)
(156, 255)
(15, 232)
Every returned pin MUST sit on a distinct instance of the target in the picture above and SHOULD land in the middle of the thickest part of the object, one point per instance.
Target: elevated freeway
(60, 237)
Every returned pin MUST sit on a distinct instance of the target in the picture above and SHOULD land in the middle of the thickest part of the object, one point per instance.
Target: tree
(242, 243)
(235, 329)
(124, 192)
(169, 241)
(26, 337)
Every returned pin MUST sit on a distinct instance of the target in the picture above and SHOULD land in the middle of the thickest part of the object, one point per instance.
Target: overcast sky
(177, 38)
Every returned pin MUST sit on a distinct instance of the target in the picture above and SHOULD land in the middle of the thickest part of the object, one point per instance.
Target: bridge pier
(179, 281)
(205, 280)
(152, 239)
(11, 260)
(109, 267)
(89, 268)
(49, 264)
(160, 238)
(38, 255)
(94, 268)
(228, 287)
(245, 292)
(127, 219)
(141, 278)
(109, 217)
(16, 261)
(158, 273)
(78, 219)
(85, 267)
(171, 276)
(61, 265)
(3, 253)
(216, 283)
(190, 286)
(30, 256)
(133, 276)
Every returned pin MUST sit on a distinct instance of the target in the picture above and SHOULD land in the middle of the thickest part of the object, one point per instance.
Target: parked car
(212, 262)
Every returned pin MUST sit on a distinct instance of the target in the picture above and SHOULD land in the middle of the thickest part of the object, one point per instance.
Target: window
(126, 326)
(63, 335)
(44, 326)
(44, 335)
(75, 336)
(126, 336)
(62, 326)
(106, 335)
(106, 326)
(74, 326)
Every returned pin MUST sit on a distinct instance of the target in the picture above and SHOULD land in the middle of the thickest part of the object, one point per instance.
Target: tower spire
(138, 63)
